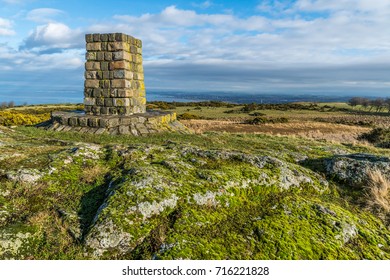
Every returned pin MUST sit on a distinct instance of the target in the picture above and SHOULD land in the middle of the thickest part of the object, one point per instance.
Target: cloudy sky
(253, 46)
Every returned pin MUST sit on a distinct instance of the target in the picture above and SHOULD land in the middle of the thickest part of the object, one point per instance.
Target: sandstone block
(89, 38)
(96, 37)
(120, 83)
(138, 43)
(83, 121)
(125, 92)
(138, 76)
(111, 37)
(137, 58)
(133, 50)
(104, 110)
(100, 101)
(93, 122)
(119, 65)
(108, 102)
(89, 101)
(126, 121)
(73, 121)
(97, 92)
(92, 65)
(121, 55)
(121, 102)
(113, 111)
(100, 56)
(91, 83)
(117, 46)
(104, 66)
(96, 110)
(104, 37)
(90, 55)
(94, 46)
(120, 37)
(113, 131)
(119, 74)
(106, 75)
(123, 129)
(122, 74)
(106, 93)
(88, 92)
(90, 74)
(104, 46)
(104, 84)
(108, 56)
(99, 75)
(88, 109)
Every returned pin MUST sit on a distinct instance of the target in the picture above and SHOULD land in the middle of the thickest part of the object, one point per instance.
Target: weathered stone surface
(137, 124)
(354, 169)
(114, 90)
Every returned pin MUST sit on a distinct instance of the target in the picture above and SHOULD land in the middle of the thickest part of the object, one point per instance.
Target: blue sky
(259, 46)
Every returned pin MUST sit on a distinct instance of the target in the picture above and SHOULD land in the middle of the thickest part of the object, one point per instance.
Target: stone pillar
(114, 78)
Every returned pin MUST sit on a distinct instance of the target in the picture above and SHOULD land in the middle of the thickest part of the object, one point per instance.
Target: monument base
(136, 124)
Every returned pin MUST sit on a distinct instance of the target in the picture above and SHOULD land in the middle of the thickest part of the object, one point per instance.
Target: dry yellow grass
(378, 192)
(91, 173)
(307, 129)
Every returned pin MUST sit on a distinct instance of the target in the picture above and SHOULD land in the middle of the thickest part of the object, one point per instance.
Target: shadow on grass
(90, 203)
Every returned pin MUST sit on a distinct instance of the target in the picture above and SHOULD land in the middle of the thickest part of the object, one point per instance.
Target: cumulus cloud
(336, 38)
(44, 14)
(340, 47)
(6, 27)
(53, 35)
(347, 5)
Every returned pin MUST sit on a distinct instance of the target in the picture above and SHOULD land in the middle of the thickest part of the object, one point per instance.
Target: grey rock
(354, 168)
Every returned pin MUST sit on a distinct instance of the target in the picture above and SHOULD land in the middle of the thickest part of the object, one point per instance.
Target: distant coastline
(61, 97)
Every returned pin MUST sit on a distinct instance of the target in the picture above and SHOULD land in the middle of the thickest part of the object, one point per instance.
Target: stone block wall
(114, 78)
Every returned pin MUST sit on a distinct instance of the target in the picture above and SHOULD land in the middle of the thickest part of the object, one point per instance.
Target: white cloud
(272, 6)
(342, 37)
(44, 14)
(6, 27)
(345, 45)
(346, 5)
(54, 35)
(203, 5)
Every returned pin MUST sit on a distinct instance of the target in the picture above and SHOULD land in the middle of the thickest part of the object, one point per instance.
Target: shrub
(377, 136)
(256, 114)
(10, 118)
(261, 120)
(188, 116)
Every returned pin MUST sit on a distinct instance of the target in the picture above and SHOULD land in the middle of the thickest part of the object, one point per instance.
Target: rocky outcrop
(354, 169)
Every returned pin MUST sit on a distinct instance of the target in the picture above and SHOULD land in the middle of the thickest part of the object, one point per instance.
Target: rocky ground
(209, 196)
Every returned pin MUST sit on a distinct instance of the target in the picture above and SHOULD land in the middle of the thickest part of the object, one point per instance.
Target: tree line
(9, 104)
(378, 104)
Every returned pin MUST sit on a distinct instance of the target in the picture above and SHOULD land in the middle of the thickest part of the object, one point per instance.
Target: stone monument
(114, 92)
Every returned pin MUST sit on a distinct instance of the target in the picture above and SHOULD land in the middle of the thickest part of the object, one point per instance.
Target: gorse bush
(188, 116)
(261, 120)
(10, 118)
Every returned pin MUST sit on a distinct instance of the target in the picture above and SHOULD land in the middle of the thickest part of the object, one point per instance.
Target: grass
(378, 194)
(237, 219)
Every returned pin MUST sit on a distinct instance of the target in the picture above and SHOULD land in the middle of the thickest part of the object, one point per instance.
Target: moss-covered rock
(213, 196)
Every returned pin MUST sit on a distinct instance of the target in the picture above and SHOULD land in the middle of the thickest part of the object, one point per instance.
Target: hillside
(210, 195)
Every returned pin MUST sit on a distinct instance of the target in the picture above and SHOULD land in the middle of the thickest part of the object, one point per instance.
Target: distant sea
(57, 97)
